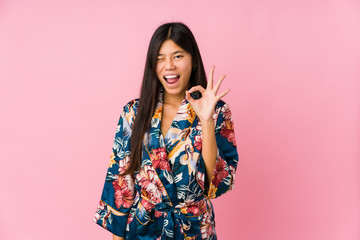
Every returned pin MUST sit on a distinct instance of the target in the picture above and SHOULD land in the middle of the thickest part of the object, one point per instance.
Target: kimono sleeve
(118, 191)
(223, 178)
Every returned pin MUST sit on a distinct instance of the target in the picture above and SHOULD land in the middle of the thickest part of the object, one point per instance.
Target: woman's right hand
(117, 238)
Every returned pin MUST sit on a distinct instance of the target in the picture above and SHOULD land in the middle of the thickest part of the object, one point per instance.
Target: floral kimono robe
(166, 198)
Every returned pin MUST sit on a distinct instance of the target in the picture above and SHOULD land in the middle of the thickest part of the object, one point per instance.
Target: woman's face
(173, 68)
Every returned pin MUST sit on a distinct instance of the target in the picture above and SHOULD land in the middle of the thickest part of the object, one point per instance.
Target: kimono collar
(184, 118)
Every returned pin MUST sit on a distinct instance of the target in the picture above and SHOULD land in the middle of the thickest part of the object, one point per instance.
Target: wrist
(207, 122)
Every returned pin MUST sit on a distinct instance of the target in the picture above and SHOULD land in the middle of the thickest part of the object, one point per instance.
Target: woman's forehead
(176, 52)
(170, 47)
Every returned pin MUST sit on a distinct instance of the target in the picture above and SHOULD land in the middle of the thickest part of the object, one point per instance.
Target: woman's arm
(117, 238)
(209, 148)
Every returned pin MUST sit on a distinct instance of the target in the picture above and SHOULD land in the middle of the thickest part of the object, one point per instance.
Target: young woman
(174, 148)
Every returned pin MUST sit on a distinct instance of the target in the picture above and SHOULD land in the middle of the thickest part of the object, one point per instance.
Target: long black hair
(151, 85)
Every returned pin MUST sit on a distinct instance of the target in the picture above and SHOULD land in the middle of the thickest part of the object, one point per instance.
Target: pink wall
(68, 67)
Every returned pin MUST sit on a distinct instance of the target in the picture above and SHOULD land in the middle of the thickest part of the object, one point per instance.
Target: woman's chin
(174, 91)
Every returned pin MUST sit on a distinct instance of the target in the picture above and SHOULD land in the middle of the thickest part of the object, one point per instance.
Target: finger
(188, 97)
(210, 82)
(197, 88)
(222, 94)
(217, 86)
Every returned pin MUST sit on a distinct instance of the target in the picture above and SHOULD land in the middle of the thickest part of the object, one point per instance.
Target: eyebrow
(179, 51)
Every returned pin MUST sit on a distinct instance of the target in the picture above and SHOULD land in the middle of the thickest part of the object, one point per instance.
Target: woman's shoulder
(220, 104)
(132, 105)
(222, 108)
(130, 109)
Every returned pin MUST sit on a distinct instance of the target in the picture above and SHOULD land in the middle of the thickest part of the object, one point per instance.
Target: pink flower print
(152, 191)
(130, 219)
(215, 116)
(101, 205)
(159, 159)
(232, 171)
(198, 142)
(158, 213)
(197, 208)
(227, 131)
(206, 227)
(226, 112)
(194, 209)
(150, 184)
(123, 163)
(123, 193)
(147, 205)
(219, 172)
(200, 179)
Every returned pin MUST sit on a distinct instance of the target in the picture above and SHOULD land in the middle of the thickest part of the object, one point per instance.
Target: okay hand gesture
(204, 107)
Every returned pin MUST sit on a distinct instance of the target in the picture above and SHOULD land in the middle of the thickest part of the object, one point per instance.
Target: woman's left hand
(204, 107)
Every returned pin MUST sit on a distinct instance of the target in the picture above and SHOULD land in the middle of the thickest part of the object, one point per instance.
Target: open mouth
(171, 79)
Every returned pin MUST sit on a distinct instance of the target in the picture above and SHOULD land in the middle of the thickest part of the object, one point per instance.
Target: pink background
(68, 67)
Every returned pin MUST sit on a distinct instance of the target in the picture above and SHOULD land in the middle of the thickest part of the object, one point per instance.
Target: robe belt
(172, 216)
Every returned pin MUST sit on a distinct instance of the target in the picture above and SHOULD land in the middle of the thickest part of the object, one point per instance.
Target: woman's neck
(174, 100)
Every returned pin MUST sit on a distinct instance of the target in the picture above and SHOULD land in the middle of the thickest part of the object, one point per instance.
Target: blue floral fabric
(167, 198)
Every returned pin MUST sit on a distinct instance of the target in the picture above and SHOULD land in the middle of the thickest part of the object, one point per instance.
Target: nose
(169, 64)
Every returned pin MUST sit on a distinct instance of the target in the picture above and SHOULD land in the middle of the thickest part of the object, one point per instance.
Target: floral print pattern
(167, 198)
